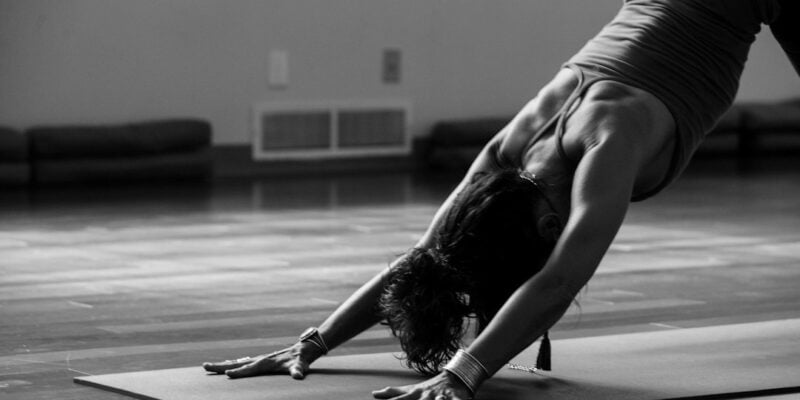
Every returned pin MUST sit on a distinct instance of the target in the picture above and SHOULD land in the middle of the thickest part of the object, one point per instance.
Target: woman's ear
(549, 226)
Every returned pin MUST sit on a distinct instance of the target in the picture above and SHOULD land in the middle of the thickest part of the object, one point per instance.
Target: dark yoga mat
(729, 361)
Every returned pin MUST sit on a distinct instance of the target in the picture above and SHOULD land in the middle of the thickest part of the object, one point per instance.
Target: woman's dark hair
(486, 245)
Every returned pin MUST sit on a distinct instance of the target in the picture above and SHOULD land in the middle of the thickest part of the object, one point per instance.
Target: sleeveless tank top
(586, 78)
(688, 53)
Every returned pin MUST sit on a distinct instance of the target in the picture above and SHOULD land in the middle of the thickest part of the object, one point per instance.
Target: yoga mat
(755, 359)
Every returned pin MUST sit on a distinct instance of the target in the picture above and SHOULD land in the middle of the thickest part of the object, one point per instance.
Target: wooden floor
(117, 279)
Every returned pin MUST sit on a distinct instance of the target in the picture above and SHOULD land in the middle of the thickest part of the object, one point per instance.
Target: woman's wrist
(312, 344)
(468, 370)
(309, 352)
(458, 386)
(312, 335)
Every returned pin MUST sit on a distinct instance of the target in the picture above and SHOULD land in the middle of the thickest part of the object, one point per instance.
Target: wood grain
(122, 279)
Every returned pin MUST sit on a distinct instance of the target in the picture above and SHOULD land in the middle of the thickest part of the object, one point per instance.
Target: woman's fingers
(298, 370)
(428, 395)
(283, 361)
(388, 392)
(398, 393)
(221, 367)
(243, 371)
(258, 367)
(415, 394)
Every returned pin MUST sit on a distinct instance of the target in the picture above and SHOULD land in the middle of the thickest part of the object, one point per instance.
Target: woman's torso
(681, 59)
(690, 54)
(532, 141)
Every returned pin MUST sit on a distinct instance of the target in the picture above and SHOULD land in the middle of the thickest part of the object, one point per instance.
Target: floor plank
(110, 280)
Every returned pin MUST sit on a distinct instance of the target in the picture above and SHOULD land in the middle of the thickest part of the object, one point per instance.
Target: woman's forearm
(354, 316)
(598, 208)
(357, 314)
(532, 309)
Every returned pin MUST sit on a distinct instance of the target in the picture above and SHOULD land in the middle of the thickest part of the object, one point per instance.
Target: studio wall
(99, 61)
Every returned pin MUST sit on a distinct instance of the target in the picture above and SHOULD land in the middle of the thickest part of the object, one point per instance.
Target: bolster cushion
(130, 140)
(777, 116)
(13, 146)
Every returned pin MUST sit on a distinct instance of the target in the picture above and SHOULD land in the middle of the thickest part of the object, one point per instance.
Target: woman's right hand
(293, 360)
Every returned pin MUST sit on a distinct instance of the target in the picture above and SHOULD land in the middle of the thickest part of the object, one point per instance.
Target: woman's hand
(441, 387)
(293, 360)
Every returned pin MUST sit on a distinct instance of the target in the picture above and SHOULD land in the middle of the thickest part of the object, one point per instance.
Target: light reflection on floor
(228, 267)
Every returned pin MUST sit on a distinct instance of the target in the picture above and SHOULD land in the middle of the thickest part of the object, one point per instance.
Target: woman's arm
(601, 193)
(357, 314)
(602, 188)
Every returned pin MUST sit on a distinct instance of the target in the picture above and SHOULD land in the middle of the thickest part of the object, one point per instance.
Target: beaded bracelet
(468, 369)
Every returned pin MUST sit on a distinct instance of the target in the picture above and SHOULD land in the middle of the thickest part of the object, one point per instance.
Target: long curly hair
(486, 245)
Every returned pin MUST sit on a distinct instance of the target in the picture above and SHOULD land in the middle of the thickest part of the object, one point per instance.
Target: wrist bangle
(312, 335)
(468, 369)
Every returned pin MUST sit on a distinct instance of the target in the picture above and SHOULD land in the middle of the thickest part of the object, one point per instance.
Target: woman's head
(498, 232)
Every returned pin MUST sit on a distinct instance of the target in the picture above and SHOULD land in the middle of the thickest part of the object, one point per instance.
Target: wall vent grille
(333, 129)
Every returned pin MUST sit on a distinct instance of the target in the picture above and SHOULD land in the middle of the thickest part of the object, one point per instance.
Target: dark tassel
(543, 360)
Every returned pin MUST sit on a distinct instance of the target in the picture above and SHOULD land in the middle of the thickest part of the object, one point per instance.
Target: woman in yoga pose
(528, 225)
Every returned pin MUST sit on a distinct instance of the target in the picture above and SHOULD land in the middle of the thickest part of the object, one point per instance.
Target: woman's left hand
(441, 387)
